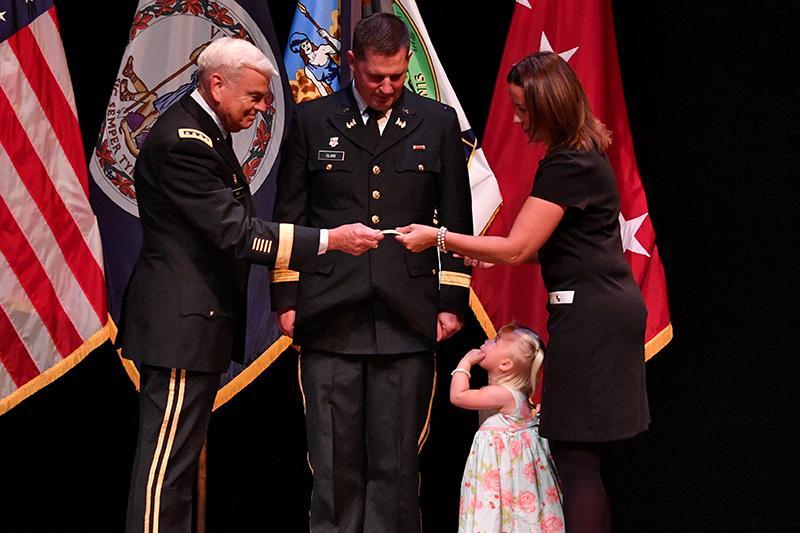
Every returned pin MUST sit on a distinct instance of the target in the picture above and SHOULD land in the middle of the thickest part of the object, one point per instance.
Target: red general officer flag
(52, 290)
(583, 34)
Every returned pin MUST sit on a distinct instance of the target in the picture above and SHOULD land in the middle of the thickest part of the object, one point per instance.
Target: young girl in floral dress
(509, 483)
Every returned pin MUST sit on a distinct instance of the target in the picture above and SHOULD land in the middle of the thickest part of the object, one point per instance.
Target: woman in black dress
(594, 387)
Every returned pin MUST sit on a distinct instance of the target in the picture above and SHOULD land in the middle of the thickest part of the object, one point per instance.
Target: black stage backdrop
(710, 98)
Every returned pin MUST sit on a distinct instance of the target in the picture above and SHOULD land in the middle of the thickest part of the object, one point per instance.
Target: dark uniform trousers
(174, 411)
(367, 325)
(184, 313)
(378, 407)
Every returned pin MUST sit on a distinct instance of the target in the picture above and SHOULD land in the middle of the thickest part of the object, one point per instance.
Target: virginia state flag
(583, 34)
(158, 67)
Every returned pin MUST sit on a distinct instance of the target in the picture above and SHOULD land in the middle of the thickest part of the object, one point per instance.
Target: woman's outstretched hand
(417, 237)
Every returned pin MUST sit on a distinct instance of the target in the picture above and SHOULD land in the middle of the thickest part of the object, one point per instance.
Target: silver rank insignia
(350, 124)
(401, 123)
(334, 142)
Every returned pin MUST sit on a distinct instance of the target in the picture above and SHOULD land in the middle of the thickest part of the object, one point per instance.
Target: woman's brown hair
(558, 110)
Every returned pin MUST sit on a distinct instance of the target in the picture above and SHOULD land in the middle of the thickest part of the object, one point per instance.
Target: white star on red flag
(544, 46)
(628, 229)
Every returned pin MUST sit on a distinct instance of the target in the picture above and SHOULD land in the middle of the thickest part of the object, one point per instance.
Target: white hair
(231, 54)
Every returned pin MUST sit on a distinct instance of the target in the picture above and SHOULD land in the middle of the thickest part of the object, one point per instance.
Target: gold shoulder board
(189, 133)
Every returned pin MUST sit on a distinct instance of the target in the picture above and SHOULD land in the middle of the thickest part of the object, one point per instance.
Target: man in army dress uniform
(378, 154)
(183, 314)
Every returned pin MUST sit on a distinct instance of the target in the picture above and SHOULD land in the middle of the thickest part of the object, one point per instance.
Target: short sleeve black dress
(594, 383)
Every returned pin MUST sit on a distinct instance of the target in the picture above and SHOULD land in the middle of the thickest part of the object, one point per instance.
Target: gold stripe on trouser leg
(303, 394)
(156, 453)
(170, 440)
(423, 436)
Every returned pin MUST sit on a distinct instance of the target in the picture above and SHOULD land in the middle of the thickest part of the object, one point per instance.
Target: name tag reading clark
(330, 155)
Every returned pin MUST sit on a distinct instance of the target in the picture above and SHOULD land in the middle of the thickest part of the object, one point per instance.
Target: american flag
(52, 289)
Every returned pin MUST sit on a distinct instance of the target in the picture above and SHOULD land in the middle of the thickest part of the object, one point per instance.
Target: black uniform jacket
(333, 172)
(185, 305)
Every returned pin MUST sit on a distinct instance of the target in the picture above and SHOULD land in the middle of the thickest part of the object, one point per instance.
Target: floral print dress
(509, 483)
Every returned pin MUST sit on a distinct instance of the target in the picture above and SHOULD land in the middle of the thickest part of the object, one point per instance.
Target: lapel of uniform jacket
(348, 121)
(402, 122)
(210, 128)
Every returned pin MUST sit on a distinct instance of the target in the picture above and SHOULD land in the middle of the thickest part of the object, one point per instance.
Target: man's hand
(353, 239)
(449, 324)
(286, 321)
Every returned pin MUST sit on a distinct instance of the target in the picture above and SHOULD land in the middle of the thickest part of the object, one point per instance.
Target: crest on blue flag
(313, 54)
(158, 67)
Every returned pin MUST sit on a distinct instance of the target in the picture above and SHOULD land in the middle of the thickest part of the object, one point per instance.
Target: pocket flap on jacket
(421, 264)
(329, 161)
(419, 162)
(201, 301)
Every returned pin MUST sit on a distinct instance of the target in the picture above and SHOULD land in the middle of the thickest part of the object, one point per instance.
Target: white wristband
(457, 369)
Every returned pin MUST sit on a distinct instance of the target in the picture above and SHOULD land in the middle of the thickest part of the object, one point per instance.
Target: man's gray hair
(230, 54)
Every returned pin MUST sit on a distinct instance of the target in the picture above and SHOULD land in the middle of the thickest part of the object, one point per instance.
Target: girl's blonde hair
(527, 356)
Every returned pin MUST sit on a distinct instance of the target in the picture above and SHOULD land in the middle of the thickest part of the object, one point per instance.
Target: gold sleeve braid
(285, 242)
(457, 279)
(283, 275)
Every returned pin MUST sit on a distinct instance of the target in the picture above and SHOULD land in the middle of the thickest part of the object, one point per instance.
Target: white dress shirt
(362, 108)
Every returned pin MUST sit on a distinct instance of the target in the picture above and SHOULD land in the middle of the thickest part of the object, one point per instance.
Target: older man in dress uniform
(184, 310)
(375, 153)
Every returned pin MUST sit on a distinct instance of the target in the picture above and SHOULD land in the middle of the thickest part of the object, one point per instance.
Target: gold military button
(433, 271)
(328, 166)
(421, 167)
(375, 219)
(435, 221)
(376, 195)
(211, 313)
(376, 169)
